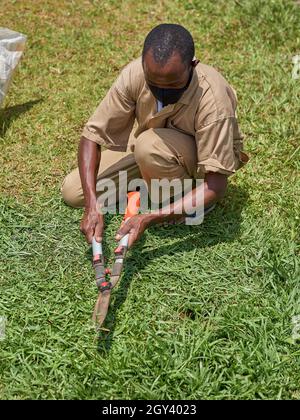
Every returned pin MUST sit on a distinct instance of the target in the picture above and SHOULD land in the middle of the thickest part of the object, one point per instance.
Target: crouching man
(186, 128)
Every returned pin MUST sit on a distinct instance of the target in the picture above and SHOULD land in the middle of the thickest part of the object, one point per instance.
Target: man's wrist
(153, 218)
(160, 217)
(90, 204)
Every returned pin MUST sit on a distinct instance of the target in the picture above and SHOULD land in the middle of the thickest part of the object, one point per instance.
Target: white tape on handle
(97, 247)
(124, 240)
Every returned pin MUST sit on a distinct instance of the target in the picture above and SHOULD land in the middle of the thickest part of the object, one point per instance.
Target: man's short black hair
(167, 38)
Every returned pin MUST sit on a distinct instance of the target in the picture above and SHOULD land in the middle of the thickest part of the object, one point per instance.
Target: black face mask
(169, 96)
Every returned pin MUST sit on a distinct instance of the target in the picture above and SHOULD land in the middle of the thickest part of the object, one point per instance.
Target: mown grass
(201, 312)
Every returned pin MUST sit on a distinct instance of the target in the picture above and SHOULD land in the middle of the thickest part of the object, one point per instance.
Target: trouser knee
(155, 158)
(71, 191)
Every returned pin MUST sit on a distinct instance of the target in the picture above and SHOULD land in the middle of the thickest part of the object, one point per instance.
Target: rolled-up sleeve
(219, 146)
(112, 122)
(217, 133)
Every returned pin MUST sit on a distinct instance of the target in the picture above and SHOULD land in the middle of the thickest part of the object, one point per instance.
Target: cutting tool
(107, 279)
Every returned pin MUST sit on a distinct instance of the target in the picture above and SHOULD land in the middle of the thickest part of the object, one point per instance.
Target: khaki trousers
(155, 154)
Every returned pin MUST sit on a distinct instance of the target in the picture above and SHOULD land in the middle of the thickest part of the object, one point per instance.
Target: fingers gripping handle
(124, 240)
(131, 210)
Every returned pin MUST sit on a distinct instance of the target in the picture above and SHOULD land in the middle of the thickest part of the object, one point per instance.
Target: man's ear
(195, 61)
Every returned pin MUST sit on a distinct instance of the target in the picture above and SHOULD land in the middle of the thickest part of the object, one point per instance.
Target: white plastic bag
(12, 45)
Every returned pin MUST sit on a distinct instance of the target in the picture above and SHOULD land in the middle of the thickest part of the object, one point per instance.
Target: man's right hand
(92, 224)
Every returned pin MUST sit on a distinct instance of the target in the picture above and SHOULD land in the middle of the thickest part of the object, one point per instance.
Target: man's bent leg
(164, 153)
(111, 163)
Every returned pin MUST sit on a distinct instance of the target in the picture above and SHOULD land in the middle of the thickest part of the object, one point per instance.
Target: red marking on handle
(104, 283)
(96, 257)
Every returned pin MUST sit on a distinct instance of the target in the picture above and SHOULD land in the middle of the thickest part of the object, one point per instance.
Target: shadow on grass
(222, 225)
(8, 115)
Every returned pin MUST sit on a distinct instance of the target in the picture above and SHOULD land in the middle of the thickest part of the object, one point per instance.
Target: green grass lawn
(200, 312)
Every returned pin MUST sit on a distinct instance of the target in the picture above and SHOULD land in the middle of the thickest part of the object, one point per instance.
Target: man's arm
(110, 125)
(212, 190)
(89, 155)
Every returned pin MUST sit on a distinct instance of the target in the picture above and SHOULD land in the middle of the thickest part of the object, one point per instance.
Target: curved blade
(102, 303)
(101, 307)
(114, 280)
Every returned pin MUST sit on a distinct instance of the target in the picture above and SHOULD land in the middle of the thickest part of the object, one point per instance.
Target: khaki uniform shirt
(205, 111)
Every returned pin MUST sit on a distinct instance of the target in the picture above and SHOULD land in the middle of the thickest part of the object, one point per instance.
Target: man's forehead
(173, 69)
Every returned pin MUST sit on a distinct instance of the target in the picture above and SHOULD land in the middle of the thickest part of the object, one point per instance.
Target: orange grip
(133, 204)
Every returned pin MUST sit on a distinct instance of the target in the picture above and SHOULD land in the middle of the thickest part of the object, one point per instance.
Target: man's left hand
(135, 226)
